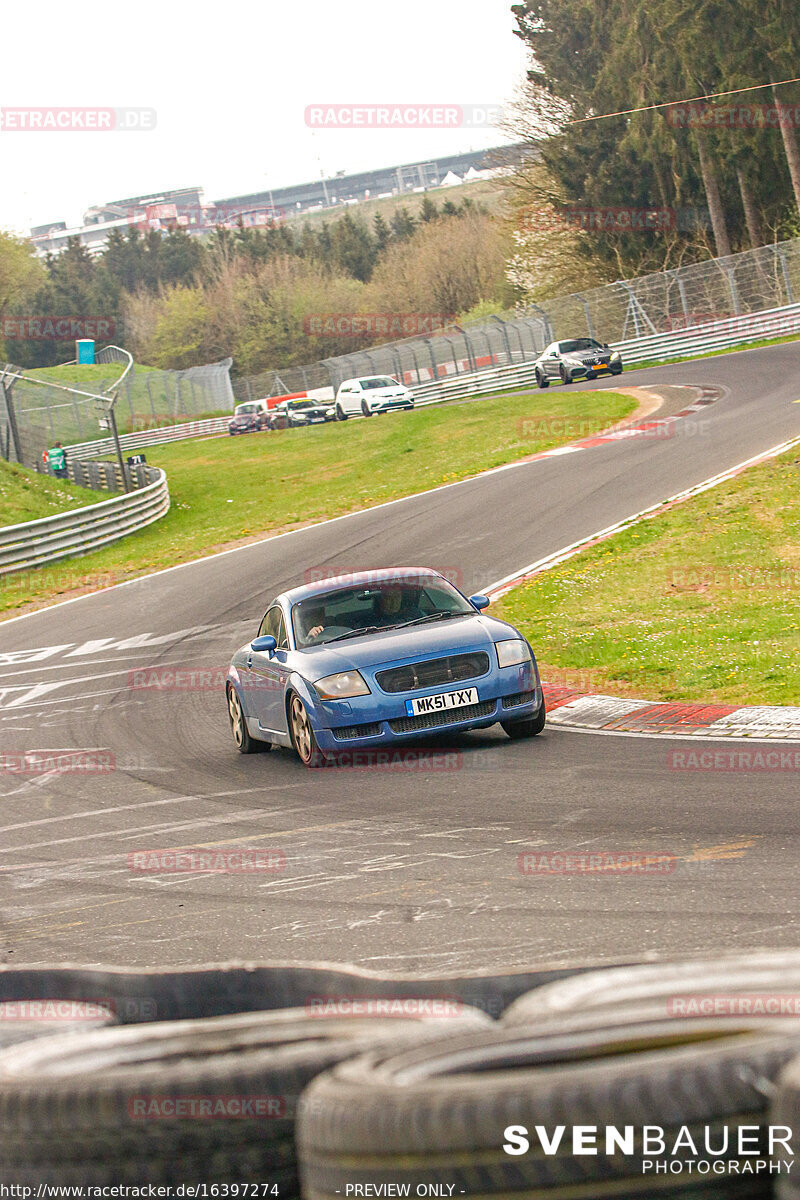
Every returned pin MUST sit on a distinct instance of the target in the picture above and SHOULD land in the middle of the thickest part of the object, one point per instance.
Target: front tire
(529, 728)
(566, 376)
(341, 415)
(365, 411)
(245, 744)
(541, 380)
(616, 370)
(302, 734)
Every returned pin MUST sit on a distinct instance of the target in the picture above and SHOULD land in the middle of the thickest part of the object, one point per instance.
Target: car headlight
(574, 362)
(615, 356)
(511, 653)
(342, 685)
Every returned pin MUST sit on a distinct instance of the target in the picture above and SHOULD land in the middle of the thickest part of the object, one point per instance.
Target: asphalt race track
(413, 869)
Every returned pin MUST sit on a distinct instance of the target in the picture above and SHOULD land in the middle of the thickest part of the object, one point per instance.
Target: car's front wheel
(617, 370)
(341, 415)
(245, 744)
(528, 728)
(566, 376)
(541, 380)
(366, 411)
(302, 734)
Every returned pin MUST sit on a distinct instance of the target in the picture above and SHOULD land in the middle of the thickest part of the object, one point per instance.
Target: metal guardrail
(207, 427)
(82, 530)
(495, 379)
(724, 334)
(721, 334)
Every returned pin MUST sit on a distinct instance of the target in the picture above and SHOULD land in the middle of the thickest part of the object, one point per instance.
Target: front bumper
(592, 370)
(386, 405)
(367, 724)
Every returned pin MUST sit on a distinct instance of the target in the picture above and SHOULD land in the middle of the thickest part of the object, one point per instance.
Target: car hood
(385, 393)
(403, 645)
(588, 355)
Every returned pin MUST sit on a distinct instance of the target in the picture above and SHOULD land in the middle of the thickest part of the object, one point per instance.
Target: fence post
(585, 304)
(5, 395)
(502, 325)
(786, 279)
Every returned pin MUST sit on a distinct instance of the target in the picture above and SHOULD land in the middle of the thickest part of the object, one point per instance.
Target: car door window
(274, 625)
(280, 636)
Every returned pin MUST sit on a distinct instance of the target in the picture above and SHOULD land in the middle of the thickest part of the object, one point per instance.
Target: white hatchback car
(371, 394)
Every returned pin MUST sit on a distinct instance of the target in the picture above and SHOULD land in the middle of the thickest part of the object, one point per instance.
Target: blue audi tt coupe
(376, 659)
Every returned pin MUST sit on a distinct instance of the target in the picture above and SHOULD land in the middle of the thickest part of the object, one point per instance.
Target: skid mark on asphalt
(724, 850)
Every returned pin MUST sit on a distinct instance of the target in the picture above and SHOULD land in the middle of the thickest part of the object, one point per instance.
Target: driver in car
(392, 606)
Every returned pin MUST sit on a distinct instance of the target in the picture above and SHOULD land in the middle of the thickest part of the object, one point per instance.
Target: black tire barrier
(212, 1100)
(760, 983)
(135, 996)
(437, 1114)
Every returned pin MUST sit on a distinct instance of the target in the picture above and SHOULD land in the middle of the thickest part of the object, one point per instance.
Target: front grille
(449, 716)
(518, 698)
(345, 733)
(454, 669)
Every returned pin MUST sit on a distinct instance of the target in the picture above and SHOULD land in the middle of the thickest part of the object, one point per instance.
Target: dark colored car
(291, 414)
(247, 418)
(577, 358)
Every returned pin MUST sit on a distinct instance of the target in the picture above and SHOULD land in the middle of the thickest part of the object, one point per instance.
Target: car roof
(355, 579)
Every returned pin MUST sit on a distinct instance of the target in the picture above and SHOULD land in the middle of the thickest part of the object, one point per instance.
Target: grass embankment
(27, 496)
(701, 603)
(228, 489)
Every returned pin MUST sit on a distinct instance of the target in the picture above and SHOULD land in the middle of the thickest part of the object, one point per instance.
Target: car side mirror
(480, 602)
(264, 645)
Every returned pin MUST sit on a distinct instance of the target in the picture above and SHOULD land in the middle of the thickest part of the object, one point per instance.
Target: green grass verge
(26, 496)
(227, 489)
(699, 603)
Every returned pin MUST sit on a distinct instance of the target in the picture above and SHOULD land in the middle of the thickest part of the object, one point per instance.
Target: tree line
(728, 166)
(258, 293)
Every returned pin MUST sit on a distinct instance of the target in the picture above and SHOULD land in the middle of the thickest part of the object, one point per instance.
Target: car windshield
(384, 604)
(302, 404)
(579, 344)
(378, 381)
(246, 408)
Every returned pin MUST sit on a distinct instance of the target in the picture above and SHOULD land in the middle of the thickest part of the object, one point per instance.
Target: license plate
(444, 700)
